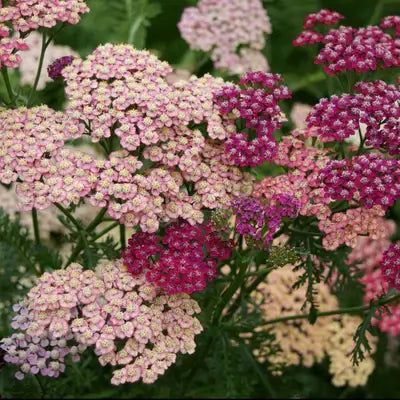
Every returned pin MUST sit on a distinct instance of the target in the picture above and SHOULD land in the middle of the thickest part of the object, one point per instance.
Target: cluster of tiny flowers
(347, 227)
(30, 59)
(120, 90)
(301, 343)
(390, 266)
(374, 107)
(232, 30)
(302, 181)
(127, 321)
(183, 261)
(65, 178)
(9, 46)
(252, 216)
(254, 102)
(367, 256)
(391, 21)
(322, 17)
(54, 70)
(28, 15)
(30, 136)
(368, 179)
(351, 49)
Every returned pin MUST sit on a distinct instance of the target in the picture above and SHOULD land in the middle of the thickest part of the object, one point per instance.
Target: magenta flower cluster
(128, 322)
(254, 102)
(260, 221)
(390, 266)
(368, 179)
(351, 49)
(374, 106)
(54, 70)
(182, 261)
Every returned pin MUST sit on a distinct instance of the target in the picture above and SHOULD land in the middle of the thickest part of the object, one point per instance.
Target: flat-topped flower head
(255, 102)
(183, 261)
(30, 15)
(232, 30)
(351, 49)
(9, 47)
(373, 108)
(128, 322)
(368, 179)
(30, 136)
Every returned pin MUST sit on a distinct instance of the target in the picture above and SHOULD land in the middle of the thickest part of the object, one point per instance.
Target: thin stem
(77, 224)
(10, 92)
(35, 223)
(377, 12)
(122, 235)
(45, 44)
(348, 310)
(230, 291)
(105, 231)
(261, 272)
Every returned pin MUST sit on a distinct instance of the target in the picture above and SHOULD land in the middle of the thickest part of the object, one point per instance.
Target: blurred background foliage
(152, 24)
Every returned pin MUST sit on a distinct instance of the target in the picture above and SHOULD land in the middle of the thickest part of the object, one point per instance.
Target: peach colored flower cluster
(232, 30)
(30, 136)
(301, 343)
(347, 227)
(30, 59)
(130, 324)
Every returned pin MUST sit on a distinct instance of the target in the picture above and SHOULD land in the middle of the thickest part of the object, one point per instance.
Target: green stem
(105, 231)
(377, 12)
(122, 235)
(230, 291)
(43, 49)
(10, 92)
(75, 222)
(35, 223)
(348, 310)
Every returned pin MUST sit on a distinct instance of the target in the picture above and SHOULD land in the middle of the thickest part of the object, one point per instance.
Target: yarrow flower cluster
(255, 102)
(252, 216)
(130, 324)
(301, 343)
(232, 30)
(351, 49)
(368, 179)
(122, 91)
(54, 70)
(374, 108)
(9, 46)
(390, 266)
(31, 136)
(33, 14)
(183, 261)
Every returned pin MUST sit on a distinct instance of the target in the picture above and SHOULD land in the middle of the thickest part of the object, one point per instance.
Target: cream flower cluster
(129, 323)
(301, 343)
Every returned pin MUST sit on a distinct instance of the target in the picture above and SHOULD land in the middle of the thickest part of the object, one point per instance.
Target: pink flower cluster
(373, 105)
(347, 227)
(322, 17)
(368, 179)
(30, 136)
(305, 163)
(255, 102)
(390, 266)
(122, 91)
(252, 216)
(391, 21)
(129, 324)
(221, 27)
(28, 15)
(183, 261)
(9, 46)
(65, 178)
(351, 49)
(376, 286)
